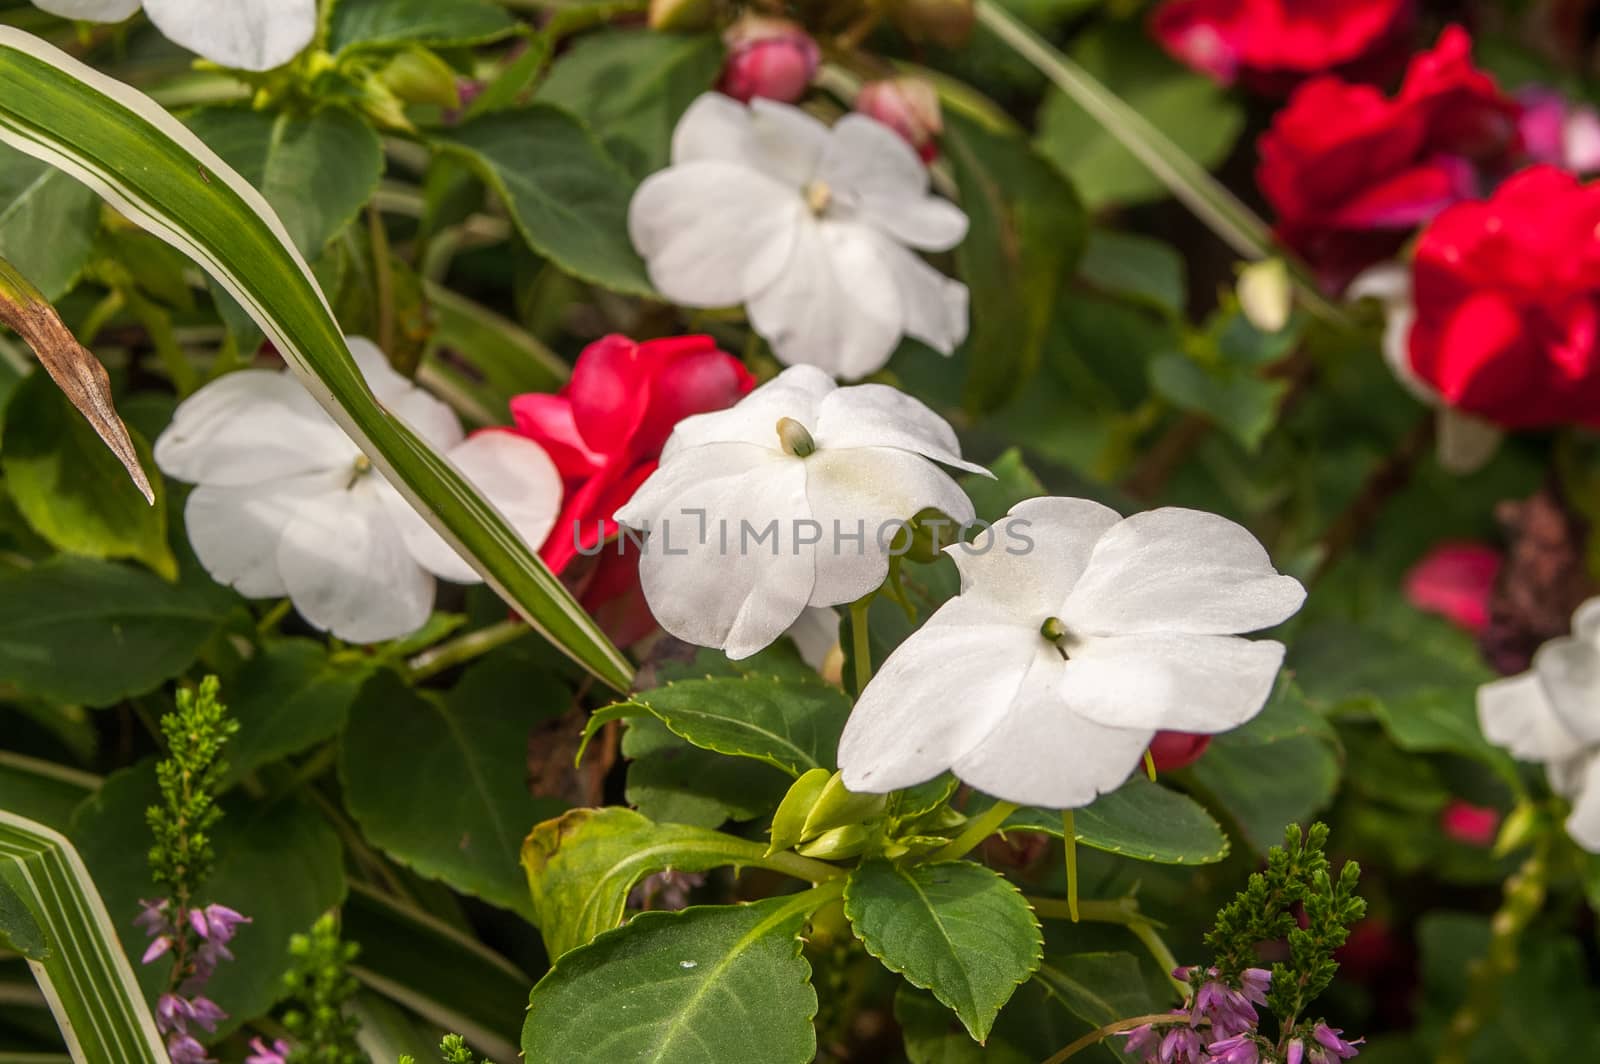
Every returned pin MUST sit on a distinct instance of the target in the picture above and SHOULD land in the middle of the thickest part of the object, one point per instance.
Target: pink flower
(910, 107)
(1557, 131)
(1331, 1046)
(1473, 825)
(1456, 581)
(261, 1053)
(768, 57)
(1172, 750)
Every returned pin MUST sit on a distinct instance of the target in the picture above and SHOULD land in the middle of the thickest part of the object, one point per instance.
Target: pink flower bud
(1456, 581)
(768, 57)
(910, 107)
(1172, 750)
(1473, 825)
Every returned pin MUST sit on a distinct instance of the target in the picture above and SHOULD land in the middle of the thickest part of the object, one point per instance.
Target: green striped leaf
(156, 172)
(81, 967)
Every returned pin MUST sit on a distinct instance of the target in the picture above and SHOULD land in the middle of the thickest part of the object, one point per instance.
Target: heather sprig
(321, 986)
(453, 1050)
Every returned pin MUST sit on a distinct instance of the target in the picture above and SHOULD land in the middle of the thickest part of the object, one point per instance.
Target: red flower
(1471, 825)
(1456, 580)
(604, 431)
(1273, 43)
(1351, 172)
(1172, 750)
(768, 57)
(1507, 296)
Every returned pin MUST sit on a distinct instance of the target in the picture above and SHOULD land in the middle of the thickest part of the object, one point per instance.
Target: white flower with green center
(792, 498)
(1551, 714)
(245, 34)
(810, 228)
(286, 504)
(1078, 634)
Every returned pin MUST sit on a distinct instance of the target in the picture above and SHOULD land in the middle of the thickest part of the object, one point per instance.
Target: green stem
(792, 864)
(861, 641)
(1100, 1034)
(463, 649)
(158, 326)
(978, 828)
(1069, 838)
(383, 279)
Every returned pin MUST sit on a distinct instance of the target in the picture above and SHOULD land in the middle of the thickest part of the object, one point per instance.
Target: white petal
(512, 472)
(247, 34)
(1045, 753)
(859, 498)
(876, 415)
(833, 305)
(1515, 714)
(721, 567)
(1178, 570)
(1390, 283)
(1586, 622)
(816, 635)
(347, 569)
(1569, 671)
(1176, 682)
(425, 415)
(235, 530)
(1026, 565)
(776, 139)
(933, 306)
(796, 393)
(713, 233)
(941, 691)
(1583, 824)
(1466, 443)
(248, 427)
(90, 10)
(877, 177)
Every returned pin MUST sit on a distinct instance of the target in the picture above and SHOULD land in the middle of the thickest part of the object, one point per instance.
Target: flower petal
(247, 34)
(879, 178)
(1583, 823)
(1177, 570)
(1172, 681)
(712, 234)
(833, 305)
(796, 393)
(1569, 672)
(906, 727)
(816, 635)
(1027, 564)
(235, 530)
(348, 571)
(933, 306)
(90, 10)
(876, 415)
(778, 140)
(425, 415)
(548, 421)
(251, 426)
(1514, 713)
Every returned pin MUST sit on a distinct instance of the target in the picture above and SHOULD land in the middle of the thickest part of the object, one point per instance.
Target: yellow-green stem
(1150, 765)
(1069, 838)
(463, 649)
(977, 829)
(861, 642)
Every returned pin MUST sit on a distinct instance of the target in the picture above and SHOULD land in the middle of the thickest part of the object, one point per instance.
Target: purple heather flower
(261, 1053)
(184, 1049)
(156, 949)
(206, 1013)
(1297, 1053)
(217, 923)
(1229, 1011)
(1240, 1049)
(1181, 1045)
(1330, 1046)
(152, 918)
(1254, 983)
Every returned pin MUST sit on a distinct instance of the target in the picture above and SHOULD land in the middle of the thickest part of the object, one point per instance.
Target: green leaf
(582, 865)
(707, 985)
(1237, 400)
(47, 223)
(143, 630)
(460, 809)
(1026, 232)
(792, 726)
(1098, 988)
(1141, 820)
(568, 198)
(934, 1036)
(507, 357)
(72, 489)
(288, 698)
(1135, 267)
(46, 896)
(674, 782)
(955, 928)
(157, 172)
(394, 23)
(278, 862)
(631, 87)
(43, 790)
(316, 171)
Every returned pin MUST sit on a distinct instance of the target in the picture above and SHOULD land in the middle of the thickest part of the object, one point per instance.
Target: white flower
(246, 34)
(790, 499)
(1077, 635)
(808, 227)
(288, 505)
(1465, 443)
(1551, 714)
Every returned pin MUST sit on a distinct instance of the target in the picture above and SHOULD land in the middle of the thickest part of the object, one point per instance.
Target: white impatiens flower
(1551, 714)
(286, 504)
(1077, 635)
(808, 227)
(246, 34)
(1465, 443)
(792, 498)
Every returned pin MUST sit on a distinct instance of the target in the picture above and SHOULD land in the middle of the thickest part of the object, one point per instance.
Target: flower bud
(768, 57)
(944, 22)
(1266, 295)
(680, 16)
(835, 845)
(416, 75)
(1172, 750)
(789, 821)
(837, 807)
(910, 107)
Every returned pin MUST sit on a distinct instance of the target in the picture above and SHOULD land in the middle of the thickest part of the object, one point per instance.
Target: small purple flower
(1240, 1049)
(1142, 1039)
(217, 923)
(1331, 1046)
(1181, 1045)
(153, 918)
(1254, 983)
(1229, 1011)
(206, 1013)
(156, 949)
(184, 1049)
(261, 1053)
(1297, 1053)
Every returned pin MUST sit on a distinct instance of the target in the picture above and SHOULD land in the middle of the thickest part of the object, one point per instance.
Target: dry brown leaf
(76, 372)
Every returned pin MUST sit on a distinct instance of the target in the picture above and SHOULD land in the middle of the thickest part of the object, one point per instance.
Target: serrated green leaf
(1140, 819)
(708, 985)
(47, 222)
(955, 928)
(393, 23)
(674, 782)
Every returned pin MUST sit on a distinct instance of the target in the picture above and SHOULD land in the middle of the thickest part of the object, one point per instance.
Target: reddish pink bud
(910, 107)
(768, 57)
(1172, 750)
(1456, 580)
(1473, 825)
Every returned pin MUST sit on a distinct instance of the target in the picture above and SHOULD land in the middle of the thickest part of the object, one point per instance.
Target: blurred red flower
(1274, 43)
(604, 430)
(1172, 750)
(1507, 294)
(1471, 825)
(1456, 581)
(1351, 172)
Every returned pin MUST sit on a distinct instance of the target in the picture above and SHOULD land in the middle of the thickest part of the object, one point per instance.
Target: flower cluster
(1220, 1025)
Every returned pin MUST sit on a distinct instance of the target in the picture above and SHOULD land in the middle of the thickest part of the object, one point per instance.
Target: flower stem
(463, 649)
(1069, 838)
(1150, 765)
(861, 641)
(383, 279)
(978, 828)
(1100, 1034)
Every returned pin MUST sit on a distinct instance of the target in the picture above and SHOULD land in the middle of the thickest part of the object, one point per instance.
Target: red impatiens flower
(1172, 750)
(604, 431)
(1274, 43)
(1456, 581)
(1471, 825)
(1351, 173)
(1507, 294)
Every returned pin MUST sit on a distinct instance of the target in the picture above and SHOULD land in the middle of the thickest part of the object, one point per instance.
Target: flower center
(818, 196)
(1058, 635)
(358, 469)
(794, 438)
